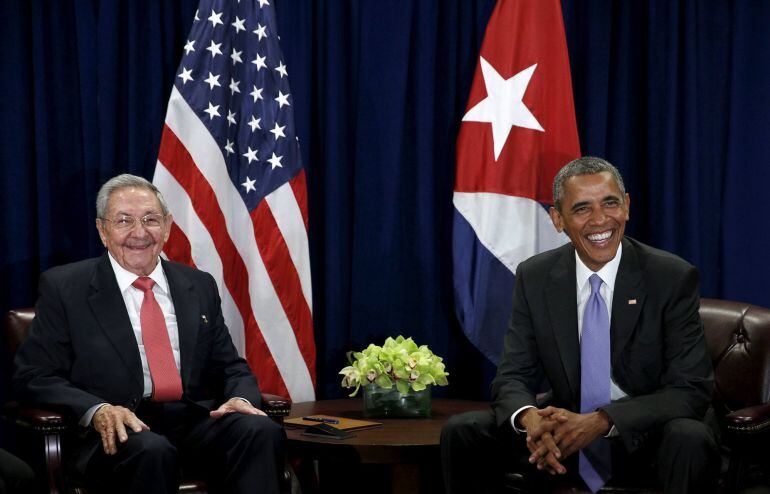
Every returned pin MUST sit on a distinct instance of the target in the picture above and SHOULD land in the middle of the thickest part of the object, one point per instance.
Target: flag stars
(238, 24)
(196, 15)
(260, 31)
(260, 62)
(256, 94)
(230, 118)
(504, 107)
(186, 75)
(189, 47)
(236, 56)
(251, 154)
(214, 49)
(275, 162)
(254, 123)
(282, 99)
(212, 80)
(229, 147)
(213, 111)
(281, 69)
(234, 86)
(215, 18)
(277, 131)
(262, 3)
(249, 184)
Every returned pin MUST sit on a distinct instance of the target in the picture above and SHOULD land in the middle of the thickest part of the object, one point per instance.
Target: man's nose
(598, 216)
(138, 229)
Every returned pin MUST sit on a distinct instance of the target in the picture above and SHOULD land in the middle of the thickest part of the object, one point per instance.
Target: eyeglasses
(125, 222)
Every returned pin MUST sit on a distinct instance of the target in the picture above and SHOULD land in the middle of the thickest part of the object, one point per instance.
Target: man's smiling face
(137, 248)
(593, 214)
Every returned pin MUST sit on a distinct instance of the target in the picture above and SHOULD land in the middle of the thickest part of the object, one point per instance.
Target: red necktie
(166, 383)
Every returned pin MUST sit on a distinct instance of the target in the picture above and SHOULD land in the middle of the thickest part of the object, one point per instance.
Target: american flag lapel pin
(632, 301)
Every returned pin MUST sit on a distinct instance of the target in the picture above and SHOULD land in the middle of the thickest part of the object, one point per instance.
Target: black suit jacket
(81, 349)
(658, 350)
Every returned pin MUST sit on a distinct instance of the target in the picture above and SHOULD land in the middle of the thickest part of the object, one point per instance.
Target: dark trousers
(475, 454)
(16, 477)
(234, 454)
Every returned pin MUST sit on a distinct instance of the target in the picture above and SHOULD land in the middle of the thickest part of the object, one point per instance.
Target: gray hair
(586, 165)
(122, 182)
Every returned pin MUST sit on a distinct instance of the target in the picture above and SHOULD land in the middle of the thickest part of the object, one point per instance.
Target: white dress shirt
(607, 273)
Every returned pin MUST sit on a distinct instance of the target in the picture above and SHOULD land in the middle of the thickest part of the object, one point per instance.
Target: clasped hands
(112, 422)
(554, 433)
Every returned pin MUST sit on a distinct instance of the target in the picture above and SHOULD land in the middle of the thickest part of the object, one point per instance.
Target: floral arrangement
(398, 361)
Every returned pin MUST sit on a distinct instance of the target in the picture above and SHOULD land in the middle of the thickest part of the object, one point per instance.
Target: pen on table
(321, 419)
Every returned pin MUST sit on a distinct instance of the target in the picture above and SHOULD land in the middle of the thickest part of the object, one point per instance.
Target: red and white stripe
(259, 259)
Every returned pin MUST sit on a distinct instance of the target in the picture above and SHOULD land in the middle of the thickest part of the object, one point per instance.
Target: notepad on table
(343, 423)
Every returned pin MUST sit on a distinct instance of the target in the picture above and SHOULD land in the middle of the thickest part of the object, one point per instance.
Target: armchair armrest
(276, 407)
(749, 420)
(36, 419)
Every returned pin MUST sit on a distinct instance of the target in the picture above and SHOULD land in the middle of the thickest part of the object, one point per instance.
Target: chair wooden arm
(749, 420)
(276, 407)
(36, 419)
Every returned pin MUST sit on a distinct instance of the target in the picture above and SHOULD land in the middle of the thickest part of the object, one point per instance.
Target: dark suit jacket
(81, 349)
(658, 355)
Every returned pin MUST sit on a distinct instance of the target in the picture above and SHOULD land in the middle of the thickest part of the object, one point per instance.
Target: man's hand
(235, 405)
(111, 421)
(575, 430)
(540, 425)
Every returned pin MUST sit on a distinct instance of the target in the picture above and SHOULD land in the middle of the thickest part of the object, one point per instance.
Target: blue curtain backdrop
(675, 93)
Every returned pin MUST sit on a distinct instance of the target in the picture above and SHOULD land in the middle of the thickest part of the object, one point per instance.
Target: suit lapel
(187, 312)
(108, 306)
(561, 298)
(627, 301)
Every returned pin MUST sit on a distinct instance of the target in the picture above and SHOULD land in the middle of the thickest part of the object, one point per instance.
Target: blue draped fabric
(675, 93)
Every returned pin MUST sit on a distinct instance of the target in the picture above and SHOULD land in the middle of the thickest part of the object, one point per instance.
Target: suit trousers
(476, 453)
(234, 454)
(16, 477)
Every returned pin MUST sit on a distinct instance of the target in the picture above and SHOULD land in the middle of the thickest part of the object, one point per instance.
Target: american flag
(230, 168)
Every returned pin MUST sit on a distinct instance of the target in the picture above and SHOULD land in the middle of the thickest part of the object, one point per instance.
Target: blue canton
(234, 77)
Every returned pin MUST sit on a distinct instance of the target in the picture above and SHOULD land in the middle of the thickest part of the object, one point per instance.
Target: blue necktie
(594, 464)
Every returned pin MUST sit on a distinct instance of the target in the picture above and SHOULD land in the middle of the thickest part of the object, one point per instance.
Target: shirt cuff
(513, 419)
(613, 432)
(244, 399)
(87, 417)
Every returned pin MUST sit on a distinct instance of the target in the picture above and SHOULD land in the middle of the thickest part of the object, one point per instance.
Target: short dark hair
(586, 165)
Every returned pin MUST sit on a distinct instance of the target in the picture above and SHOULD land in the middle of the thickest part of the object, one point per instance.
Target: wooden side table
(407, 447)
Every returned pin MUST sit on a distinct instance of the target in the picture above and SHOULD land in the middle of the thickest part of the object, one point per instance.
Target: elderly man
(612, 326)
(136, 349)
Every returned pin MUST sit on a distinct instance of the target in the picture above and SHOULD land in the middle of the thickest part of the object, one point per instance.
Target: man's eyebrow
(578, 205)
(146, 212)
(581, 204)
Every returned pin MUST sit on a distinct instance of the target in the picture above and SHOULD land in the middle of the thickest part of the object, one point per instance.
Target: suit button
(134, 402)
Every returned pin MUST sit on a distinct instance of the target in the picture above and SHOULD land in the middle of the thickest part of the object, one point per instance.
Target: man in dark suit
(612, 327)
(135, 348)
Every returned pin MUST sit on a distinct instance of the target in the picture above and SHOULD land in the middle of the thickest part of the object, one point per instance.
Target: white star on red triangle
(503, 107)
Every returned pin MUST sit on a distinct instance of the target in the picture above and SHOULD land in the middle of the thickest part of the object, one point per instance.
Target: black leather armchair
(49, 427)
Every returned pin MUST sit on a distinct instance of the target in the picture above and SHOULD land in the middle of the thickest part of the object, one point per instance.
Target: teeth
(598, 237)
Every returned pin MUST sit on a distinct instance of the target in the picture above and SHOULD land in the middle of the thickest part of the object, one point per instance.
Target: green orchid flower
(398, 361)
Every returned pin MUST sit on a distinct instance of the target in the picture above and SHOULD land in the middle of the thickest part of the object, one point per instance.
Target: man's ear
(167, 226)
(100, 229)
(556, 219)
(628, 206)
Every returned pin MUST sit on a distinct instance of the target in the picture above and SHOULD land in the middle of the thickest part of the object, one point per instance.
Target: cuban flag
(518, 130)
